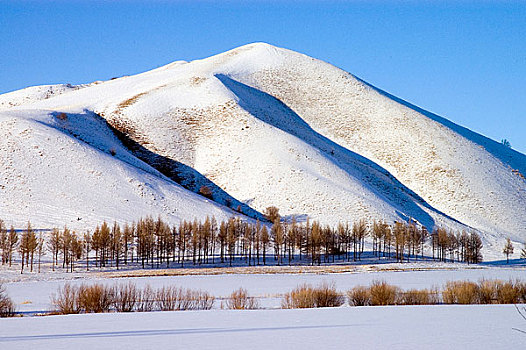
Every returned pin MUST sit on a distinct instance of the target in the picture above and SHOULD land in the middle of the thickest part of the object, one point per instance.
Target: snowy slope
(269, 126)
(56, 172)
(36, 93)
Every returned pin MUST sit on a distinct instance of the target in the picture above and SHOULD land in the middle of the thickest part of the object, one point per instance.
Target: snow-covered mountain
(259, 126)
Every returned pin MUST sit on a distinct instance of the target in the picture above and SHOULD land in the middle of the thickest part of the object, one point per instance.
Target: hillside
(259, 124)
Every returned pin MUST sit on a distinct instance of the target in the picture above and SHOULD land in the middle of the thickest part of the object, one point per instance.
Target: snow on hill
(62, 172)
(269, 126)
(36, 93)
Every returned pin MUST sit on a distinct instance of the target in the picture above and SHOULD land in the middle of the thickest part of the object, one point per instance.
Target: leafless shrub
(301, 297)
(195, 300)
(327, 296)
(240, 300)
(305, 296)
(96, 298)
(205, 301)
(205, 191)
(508, 293)
(418, 297)
(66, 300)
(61, 116)
(125, 297)
(7, 307)
(460, 292)
(521, 287)
(168, 298)
(359, 296)
(383, 293)
(487, 291)
(146, 300)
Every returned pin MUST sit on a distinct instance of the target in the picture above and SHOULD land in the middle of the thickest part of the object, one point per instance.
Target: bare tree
(508, 250)
(40, 249)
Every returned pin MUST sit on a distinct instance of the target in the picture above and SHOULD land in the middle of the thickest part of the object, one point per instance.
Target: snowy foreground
(396, 327)
(393, 327)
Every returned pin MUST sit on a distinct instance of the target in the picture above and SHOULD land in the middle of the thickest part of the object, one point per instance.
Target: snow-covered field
(394, 327)
(32, 294)
(424, 327)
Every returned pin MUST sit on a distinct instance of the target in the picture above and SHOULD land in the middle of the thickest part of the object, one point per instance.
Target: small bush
(487, 291)
(508, 293)
(327, 296)
(301, 297)
(418, 297)
(146, 300)
(306, 296)
(460, 292)
(196, 300)
(96, 298)
(62, 116)
(359, 296)
(205, 191)
(168, 298)
(66, 300)
(125, 297)
(7, 307)
(521, 288)
(383, 293)
(240, 300)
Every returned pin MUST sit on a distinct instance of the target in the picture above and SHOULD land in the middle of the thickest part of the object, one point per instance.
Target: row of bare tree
(155, 243)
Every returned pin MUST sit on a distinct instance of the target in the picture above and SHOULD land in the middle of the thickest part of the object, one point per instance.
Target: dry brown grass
(460, 292)
(359, 296)
(269, 269)
(98, 298)
(130, 101)
(508, 292)
(95, 298)
(327, 296)
(418, 297)
(487, 291)
(301, 297)
(305, 296)
(383, 293)
(240, 300)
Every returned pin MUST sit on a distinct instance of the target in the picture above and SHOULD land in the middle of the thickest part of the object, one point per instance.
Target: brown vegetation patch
(306, 296)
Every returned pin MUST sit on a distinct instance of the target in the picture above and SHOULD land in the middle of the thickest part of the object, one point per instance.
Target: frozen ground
(425, 327)
(32, 293)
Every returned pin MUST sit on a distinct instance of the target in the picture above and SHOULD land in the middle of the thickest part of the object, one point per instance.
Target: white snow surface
(396, 327)
(32, 292)
(54, 178)
(269, 126)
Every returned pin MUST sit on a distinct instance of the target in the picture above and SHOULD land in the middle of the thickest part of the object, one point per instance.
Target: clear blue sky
(463, 60)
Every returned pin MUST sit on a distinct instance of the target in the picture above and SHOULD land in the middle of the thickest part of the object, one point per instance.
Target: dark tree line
(153, 243)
